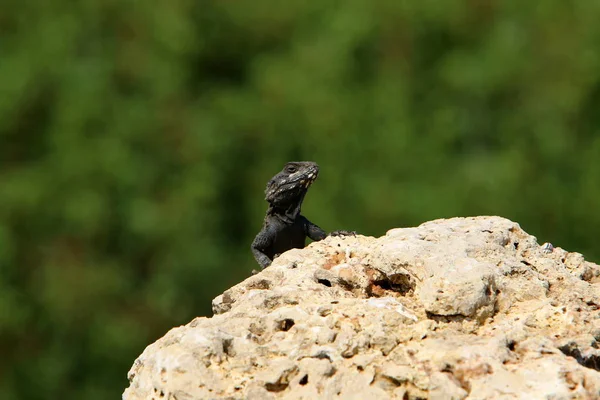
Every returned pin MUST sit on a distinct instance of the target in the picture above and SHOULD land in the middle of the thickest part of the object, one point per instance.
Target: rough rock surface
(463, 308)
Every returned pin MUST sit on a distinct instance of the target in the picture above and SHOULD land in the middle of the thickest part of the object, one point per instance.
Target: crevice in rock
(228, 347)
(346, 285)
(591, 361)
(447, 368)
(283, 382)
(447, 318)
(399, 283)
(593, 305)
(304, 380)
(322, 355)
(277, 386)
(274, 301)
(334, 260)
(390, 384)
(386, 382)
(262, 284)
(460, 380)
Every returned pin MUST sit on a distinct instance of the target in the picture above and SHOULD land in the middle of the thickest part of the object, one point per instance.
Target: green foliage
(136, 140)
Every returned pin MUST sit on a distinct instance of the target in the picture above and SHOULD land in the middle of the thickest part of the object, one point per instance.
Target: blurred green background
(137, 139)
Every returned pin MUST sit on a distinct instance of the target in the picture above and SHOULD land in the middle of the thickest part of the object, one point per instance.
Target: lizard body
(284, 228)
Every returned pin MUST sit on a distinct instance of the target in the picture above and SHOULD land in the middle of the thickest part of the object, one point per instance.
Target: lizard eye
(291, 169)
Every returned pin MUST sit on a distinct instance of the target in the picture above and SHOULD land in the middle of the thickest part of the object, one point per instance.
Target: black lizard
(284, 227)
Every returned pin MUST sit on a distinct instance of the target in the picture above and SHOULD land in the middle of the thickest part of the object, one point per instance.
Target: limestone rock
(464, 308)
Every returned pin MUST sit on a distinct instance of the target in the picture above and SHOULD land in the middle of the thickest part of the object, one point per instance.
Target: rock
(453, 309)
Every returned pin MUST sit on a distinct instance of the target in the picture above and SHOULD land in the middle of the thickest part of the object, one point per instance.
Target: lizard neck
(287, 213)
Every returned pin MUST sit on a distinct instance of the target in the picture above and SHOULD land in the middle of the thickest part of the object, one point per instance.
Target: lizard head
(290, 185)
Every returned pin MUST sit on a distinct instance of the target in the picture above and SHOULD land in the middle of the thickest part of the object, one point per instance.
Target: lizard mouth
(310, 178)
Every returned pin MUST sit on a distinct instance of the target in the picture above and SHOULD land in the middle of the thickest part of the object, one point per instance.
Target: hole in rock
(516, 245)
(511, 345)
(286, 324)
(304, 380)
(383, 283)
(324, 282)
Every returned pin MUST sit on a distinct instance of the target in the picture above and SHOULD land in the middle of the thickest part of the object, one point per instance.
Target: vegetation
(136, 140)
